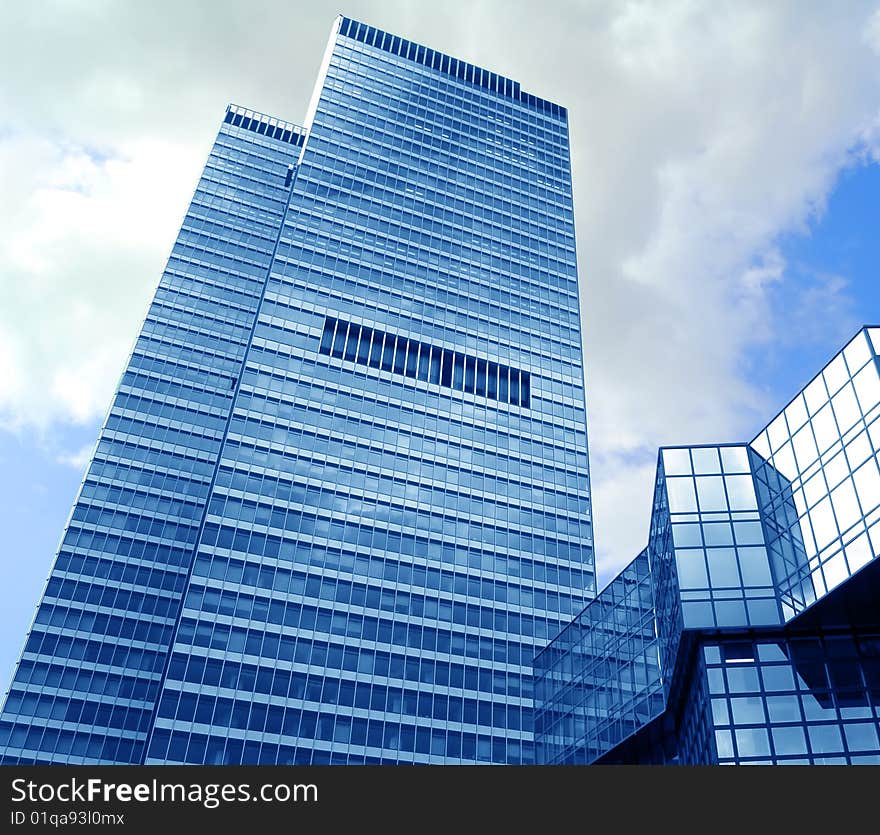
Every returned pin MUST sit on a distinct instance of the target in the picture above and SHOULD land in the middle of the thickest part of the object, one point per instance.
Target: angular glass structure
(599, 680)
(341, 498)
(755, 635)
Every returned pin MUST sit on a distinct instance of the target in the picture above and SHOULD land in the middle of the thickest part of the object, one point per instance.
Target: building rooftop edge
(448, 64)
(232, 107)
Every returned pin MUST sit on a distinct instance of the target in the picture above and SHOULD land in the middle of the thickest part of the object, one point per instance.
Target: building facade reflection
(342, 496)
(761, 581)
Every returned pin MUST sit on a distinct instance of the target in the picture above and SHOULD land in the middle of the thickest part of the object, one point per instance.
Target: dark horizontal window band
(262, 125)
(421, 361)
(454, 67)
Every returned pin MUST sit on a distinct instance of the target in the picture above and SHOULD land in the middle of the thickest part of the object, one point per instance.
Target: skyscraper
(341, 496)
(748, 630)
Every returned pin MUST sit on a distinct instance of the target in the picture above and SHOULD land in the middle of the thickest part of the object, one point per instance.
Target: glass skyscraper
(748, 631)
(341, 497)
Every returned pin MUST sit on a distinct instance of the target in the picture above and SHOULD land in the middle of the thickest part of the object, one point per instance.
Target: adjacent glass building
(341, 497)
(748, 631)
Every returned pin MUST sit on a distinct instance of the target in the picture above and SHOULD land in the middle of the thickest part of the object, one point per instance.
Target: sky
(726, 180)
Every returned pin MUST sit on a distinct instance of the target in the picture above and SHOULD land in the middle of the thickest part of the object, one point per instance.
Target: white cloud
(622, 508)
(871, 31)
(77, 459)
(82, 243)
(701, 131)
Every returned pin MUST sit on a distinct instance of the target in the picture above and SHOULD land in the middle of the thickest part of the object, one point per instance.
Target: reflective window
(406, 357)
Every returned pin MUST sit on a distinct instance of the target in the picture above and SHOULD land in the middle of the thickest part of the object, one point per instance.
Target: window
(258, 123)
(407, 357)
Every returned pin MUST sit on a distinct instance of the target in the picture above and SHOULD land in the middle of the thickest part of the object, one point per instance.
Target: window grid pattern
(599, 681)
(684, 735)
(394, 541)
(429, 363)
(721, 563)
(85, 688)
(762, 565)
(819, 479)
(444, 64)
(264, 125)
(811, 699)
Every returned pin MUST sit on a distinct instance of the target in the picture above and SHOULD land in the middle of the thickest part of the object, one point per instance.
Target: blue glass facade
(85, 688)
(599, 680)
(762, 576)
(339, 510)
(341, 498)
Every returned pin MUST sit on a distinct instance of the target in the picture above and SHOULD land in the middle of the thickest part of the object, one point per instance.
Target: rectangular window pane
(376, 350)
(458, 372)
(400, 354)
(364, 345)
(469, 371)
(339, 341)
(492, 381)
(424, 361)
(388, 353)
(354, 331)
(480, 384)
(503, 387)
(446, 368)
(434, 371)
(514, 387)
(412, 358)
(327, 336)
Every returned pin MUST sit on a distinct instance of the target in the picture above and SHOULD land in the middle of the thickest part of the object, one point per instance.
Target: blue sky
(725, 196)
(836, 260)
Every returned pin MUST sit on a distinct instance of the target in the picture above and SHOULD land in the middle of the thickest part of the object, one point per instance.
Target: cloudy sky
(726, 188)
